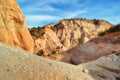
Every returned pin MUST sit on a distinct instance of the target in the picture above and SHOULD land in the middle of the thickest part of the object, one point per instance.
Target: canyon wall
(13, 28)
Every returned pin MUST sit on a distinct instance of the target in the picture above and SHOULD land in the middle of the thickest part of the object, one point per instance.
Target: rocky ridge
(68, 33)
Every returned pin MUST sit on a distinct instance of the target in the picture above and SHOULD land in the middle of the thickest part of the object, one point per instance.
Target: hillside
(68, 33)
(95, 48)
(116, 28)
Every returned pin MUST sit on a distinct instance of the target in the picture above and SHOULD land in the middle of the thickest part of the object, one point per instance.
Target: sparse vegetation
(41, 53)
(80, 40)
(101, 33)
(53, 52)
(116, 28)
(96, 22)
(37, 32)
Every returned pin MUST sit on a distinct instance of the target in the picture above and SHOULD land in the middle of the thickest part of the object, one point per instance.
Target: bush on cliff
(116, 28)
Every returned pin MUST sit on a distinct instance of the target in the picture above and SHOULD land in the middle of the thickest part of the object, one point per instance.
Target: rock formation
(13, 30)
(95, 48)
(16, 64)
(66, 34)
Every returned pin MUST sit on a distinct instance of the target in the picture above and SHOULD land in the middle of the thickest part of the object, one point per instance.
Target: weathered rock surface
(66, 34)
(16, 64)
(95, 48)
(13, 30)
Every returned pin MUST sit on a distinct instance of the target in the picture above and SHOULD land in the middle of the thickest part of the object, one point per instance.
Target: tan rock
(48, 42)
(67, 34)
(13, 30)
(86, 71)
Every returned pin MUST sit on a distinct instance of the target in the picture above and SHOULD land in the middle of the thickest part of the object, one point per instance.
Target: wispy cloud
(21, 1)
(41, 18)
(75, 13)
(36, 8)
(41, 12)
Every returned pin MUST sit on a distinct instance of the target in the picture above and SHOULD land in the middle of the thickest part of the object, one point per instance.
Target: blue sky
(42, 12)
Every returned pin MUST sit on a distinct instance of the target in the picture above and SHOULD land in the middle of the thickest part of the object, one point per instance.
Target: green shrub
(53, 52)
(41, 53)
(96, 22)
(116, 28)
(101, 33)
(80, 40)
(37, 32)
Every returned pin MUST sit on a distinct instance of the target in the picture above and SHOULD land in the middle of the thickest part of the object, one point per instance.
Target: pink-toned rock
(95, 48)
(13, 29)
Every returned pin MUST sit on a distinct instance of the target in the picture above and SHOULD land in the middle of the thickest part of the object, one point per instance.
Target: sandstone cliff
(16, 64)
(95, 48)
(55, 38)
(13, 30)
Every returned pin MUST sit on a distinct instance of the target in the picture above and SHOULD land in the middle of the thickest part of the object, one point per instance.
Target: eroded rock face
(95, 48)
(66, 34)
(13, 30)
(16, 64)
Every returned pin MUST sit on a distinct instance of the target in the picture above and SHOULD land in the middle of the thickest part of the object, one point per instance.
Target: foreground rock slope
(13, 30)
(68, 33)
(16, 64)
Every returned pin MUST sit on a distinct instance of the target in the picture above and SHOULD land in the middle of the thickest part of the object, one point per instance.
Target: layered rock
(13, 30)
(16, 64)
(66, 34)
(95, 48)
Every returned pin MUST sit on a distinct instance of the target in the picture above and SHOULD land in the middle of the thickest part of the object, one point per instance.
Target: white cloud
(75, 13)
(113, 19)
(40, 18)
(40, 12)
(37, 8)
(44, 2)
(47, 8)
